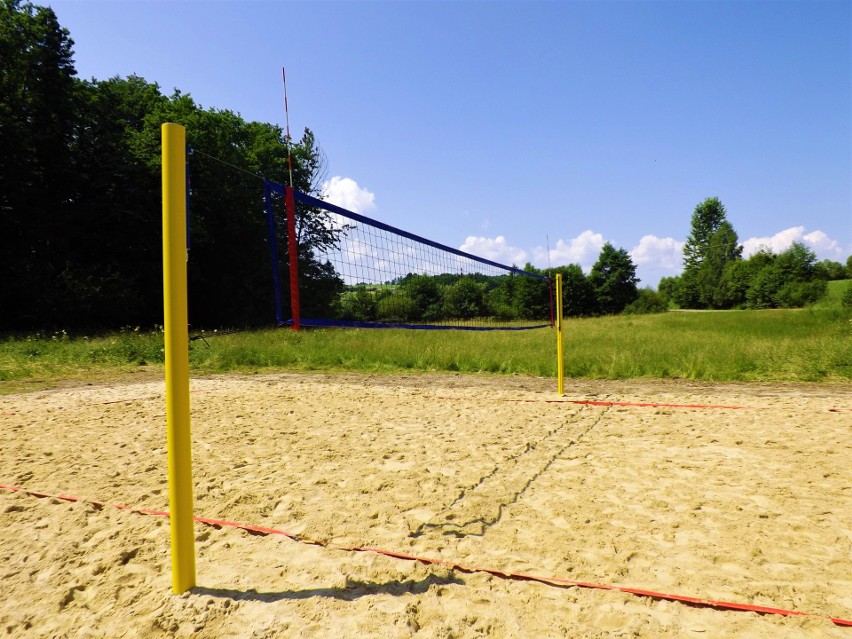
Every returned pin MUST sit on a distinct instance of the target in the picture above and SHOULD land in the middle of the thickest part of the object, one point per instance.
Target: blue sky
(502, 127)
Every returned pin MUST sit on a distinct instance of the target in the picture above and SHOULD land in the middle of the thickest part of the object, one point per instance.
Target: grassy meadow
(812, 344)
(834, 294)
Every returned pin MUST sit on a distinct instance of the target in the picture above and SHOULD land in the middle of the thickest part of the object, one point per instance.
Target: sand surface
(750, 505)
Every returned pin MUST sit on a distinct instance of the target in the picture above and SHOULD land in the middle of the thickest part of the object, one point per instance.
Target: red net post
(293, 252)
(550, 287)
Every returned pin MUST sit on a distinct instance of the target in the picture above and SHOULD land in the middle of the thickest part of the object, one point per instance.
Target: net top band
(304, 198)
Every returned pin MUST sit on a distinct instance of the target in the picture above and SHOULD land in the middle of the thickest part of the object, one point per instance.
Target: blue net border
(312, 201)
(329, 323)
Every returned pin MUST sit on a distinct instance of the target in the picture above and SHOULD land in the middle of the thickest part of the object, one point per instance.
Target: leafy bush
(361, 305)
(465, 299)
(846, 302)
(504, 312)
(425, 295)
(798, 294)
(396, 308)
(649, 301)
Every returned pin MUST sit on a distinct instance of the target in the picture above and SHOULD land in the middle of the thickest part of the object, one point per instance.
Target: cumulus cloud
(824, 246)
(583, 250)
(495, 249)
(775, 243)
(817, 241)
(347, 193)
(657, 257)
(658, 252)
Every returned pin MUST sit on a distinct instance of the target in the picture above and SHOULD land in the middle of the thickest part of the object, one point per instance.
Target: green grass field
(812, 344)
(834, 295)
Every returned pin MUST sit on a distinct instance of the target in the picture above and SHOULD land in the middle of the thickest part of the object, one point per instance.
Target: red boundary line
(586, 402)
(553, 581)
(589, 402)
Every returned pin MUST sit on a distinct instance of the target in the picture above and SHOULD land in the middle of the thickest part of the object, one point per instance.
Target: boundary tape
(500, 574)
(589, 402)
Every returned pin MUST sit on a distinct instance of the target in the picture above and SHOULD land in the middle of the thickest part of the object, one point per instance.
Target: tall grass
(778, 345)
(387, 350)
(59, 355)
(772, 345)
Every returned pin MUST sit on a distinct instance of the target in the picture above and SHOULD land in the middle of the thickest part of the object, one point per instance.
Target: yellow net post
(176, 326)
(560, 357)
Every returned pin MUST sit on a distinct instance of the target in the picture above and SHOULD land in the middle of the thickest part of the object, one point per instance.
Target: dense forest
(80, 217)
(80, 198)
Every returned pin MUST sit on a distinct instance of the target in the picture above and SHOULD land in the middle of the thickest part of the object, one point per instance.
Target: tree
(723, 249)
(613, 279)
(360, 304)
(465, 299)
(796, 263)
(706, 219)
(830, 270)
(80, 239)
(711, 244)
(425, 295)
(801, 285)
(578, 295)
(501, 297)
(668, 288)
(648, 301)
(788, 279)
(733, 287)
(37, 106)
(229, 254)
(532, 295)
(110, 275)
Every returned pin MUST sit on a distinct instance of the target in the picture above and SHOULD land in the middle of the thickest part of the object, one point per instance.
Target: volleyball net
(355, 271)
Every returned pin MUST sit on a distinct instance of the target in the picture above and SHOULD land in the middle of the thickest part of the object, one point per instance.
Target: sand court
(750, 505)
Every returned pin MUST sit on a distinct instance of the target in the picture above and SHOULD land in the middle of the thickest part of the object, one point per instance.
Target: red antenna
(547, 240)
(290, 205)
(287, 122)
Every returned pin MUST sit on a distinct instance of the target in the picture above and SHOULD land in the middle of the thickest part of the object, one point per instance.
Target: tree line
(80, 205)
(80, 217)
(80, 193)
(610, 287)
(716, 276)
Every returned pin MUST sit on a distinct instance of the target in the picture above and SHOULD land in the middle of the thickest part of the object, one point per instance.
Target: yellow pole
(560, 357)
(176, 325)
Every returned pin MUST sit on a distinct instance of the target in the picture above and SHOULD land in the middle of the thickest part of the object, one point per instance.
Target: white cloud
(817, 241)
(494, 249)
(657, 257)
(583, 250)
(824, 246)
(345, 192)
(776, 243)
(658, 253)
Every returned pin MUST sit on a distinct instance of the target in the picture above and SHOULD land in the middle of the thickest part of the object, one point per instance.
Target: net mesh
(365, 273)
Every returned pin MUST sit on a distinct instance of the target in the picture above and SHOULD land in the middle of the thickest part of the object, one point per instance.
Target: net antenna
(292, 247)
(287, 125)
(547, 241)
